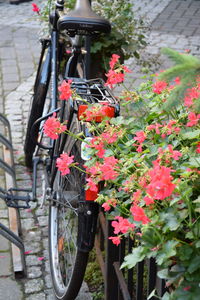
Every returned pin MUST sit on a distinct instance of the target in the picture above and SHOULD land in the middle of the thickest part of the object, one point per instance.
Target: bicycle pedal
(17, 201)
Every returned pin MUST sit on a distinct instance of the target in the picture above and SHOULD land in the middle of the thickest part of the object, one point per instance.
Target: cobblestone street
(174, 23)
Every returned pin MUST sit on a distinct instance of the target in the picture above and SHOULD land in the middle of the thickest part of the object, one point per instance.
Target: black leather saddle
(83, 21)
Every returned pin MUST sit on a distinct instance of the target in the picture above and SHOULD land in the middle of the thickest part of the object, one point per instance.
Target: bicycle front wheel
(67, 263)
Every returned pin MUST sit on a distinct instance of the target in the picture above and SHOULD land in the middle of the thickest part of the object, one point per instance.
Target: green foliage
(128, 32)
(162, 211)
(94, 278)
(135, 257)
(188, 68)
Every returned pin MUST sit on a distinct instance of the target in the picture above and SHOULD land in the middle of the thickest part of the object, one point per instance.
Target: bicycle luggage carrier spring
(93, 91)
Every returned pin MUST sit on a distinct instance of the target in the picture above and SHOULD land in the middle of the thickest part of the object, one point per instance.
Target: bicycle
(72, 211)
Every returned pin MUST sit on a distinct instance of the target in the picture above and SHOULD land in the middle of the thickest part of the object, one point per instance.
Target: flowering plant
(148, 159)
(127, 35)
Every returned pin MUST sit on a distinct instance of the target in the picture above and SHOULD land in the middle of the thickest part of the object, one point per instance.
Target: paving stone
(49, 294)
(28, 224)
(33, 236)
(34, 272)
(5, 263)
(4, 246)
(48, 281)
(3, 213)
(34, 285)
(10, 289)
(43, 221)
(33, 247)
(32, 260)
(40, 296)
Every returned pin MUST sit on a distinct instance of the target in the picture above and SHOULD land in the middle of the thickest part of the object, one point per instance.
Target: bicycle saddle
(83, 21)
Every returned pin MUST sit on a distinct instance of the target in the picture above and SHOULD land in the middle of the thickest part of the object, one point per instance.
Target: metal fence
(127, 284)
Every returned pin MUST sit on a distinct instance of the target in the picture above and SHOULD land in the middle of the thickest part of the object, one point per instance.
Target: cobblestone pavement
(174, 23)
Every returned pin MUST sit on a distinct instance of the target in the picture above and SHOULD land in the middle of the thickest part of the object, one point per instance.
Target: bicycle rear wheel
(37, 106)
(67, 262)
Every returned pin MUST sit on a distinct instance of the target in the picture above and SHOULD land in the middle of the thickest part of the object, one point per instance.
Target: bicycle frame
(51, 66)
(88, 208)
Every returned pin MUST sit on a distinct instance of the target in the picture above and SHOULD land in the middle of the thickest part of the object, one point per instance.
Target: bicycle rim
(67, 263)
(36, 111)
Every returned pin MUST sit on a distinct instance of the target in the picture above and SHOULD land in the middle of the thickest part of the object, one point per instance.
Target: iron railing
(124, 284)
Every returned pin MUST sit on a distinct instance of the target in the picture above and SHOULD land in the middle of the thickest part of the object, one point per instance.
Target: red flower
(140, 136)
(109, 137)
(65, 90)
(97, 144)
(63, 163)
(115, 240)
(187, 288)
(126, 70)
(122, 225)
(109, 203)
(159, 86)
(139, 214)
(177, 80)
(114, 78)
(148, 200)
(108, 168)
(191, 94)
(161, 185)
(194, 119)
(136, 196)
(52, 127)
(174, 153)
(92, 185)
(198, 148)
(114, 60)
(35, 8)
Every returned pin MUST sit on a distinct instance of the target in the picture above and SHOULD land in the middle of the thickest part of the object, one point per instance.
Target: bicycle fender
(88, 213)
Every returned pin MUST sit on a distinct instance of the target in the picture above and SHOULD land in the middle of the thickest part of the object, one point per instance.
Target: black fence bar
(152, 270)
(122, 282)
(130, 281)
(127, 284)
(112, 255)
(140, 280)
(160, 287)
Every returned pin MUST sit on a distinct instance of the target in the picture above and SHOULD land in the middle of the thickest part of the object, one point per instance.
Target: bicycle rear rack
(13, 200)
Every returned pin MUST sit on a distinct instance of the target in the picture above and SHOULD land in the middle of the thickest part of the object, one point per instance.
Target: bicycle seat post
(60, 4)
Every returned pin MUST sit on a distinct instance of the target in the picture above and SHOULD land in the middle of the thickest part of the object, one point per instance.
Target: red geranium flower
(52, 127)
(65, 90)
(63, 163)
(35, 8)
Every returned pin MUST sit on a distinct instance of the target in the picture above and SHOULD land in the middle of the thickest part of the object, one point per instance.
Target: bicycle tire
(37, 106)
(67, 263)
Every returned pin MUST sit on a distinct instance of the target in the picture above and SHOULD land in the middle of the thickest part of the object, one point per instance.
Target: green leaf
(185, 252)
(197, 244)
(153, 293)
(194, 162)
(163, 274)
(191, 134)
(132, 259)
(117, 121)
(166, 296)
(194, 264)
(196, 200)
(171, 221)
(168, 250)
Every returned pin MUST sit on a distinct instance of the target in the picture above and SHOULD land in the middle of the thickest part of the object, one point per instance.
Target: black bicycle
(72, 211)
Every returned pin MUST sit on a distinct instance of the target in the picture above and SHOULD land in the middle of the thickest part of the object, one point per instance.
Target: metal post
(112, 255)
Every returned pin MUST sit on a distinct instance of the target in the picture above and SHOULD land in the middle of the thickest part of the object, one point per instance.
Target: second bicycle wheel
(67, 263)
(37, 105)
